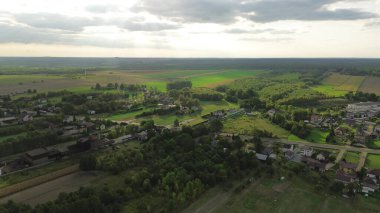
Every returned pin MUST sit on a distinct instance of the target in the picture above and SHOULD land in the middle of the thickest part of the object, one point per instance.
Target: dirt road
(50, 190)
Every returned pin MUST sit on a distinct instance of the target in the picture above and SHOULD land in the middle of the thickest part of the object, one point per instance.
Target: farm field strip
(371, 85)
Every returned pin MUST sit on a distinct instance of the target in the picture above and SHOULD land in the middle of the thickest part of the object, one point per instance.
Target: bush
(87, 163)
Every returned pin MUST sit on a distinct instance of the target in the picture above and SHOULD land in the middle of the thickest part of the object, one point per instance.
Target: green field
(293, 195)
(352, 157)
(198, 78)
(373, 161)
(329, 90)
(317, 136)
(247, 125)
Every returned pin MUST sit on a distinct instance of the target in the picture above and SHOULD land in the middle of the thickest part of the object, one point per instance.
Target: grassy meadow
(247, 125)
(373, 161)
(352, 157)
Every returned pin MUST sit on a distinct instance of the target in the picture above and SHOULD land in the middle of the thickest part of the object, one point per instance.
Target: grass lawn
(4, 138)
(317, 136)
(292, 196)
(352, 157)
(292, 137)
(246, 125)
(374, 144)
(373, 161)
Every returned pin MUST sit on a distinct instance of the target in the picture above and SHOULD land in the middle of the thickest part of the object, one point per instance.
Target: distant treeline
(73, 65)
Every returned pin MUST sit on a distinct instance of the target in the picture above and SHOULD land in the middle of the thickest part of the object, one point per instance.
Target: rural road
(50, 190)
(326, 146)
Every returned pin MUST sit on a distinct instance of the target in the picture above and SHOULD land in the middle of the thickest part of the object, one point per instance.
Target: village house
(347, 168)
(345, 178)
(307, 151)
(315, 164)
(369, 185)
(341, 132)
(316, 120)
(124, 138)
(363, 110)
(374, 173)
(8, 121)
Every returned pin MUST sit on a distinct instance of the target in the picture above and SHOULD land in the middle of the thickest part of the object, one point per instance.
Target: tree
(87, 163)
(216, 125)
(176, 123)
(337, 187)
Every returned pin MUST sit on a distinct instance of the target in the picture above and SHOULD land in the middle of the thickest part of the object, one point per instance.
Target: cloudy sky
(190, 28)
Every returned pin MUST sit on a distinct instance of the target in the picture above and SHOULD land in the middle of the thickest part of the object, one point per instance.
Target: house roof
(36, 152)
(315, 163)
(261, 156)
(347, 165)
(375, 172)
(343, 177)
(370, 183)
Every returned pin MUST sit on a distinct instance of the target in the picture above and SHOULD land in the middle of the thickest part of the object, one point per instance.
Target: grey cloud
(29, 35)
(57, 21)
(149, 26)
(306, 10)
(103, 8)
(258, 31)
(201, 11)
(225, 11)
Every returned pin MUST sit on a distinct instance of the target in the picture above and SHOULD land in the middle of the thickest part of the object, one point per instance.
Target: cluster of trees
(115, 86)
(208, 96)
(294, 123)
(178, 85)
(28, 141)
(361, 96)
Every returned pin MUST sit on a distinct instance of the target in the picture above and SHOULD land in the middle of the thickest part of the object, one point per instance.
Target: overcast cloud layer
(230, 28)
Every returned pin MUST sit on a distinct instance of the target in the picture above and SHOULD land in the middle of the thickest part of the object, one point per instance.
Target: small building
(124, 138)
(91, 112)
(369, 185)
(271, 112)
(261, 157)
(8, 121)
(142, 136)
(69, 119)
(289, 155)
(37, 156)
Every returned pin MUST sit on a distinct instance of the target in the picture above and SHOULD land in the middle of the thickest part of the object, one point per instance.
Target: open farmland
(371, 85)
(344, 82)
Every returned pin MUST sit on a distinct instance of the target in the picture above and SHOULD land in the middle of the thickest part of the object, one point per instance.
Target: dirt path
(340, 156)
(50, 190)
(363, 157)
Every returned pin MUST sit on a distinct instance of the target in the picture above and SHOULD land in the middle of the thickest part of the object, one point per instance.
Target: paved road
(325, 146)
(50, 190)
